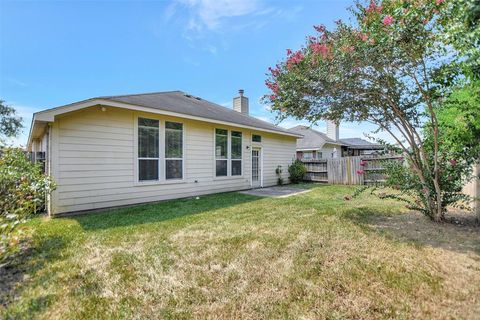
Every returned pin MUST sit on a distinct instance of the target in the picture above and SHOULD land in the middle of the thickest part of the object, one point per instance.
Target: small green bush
(23, 192)
(297, 171)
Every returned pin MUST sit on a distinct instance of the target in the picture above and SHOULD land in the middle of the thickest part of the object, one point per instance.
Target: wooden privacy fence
(347, 170)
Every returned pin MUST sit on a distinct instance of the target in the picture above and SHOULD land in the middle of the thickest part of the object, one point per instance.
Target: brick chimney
(240, 103)
(333, 130)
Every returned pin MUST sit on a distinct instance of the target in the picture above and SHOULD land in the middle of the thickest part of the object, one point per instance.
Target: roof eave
(49, 115)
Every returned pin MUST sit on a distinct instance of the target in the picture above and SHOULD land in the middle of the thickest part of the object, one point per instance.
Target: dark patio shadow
(459, 233)
(159, 211)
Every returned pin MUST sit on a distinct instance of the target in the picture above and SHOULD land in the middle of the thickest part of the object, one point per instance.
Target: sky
(57, 52)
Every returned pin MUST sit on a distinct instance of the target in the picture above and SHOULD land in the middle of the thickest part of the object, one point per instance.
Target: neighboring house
(359, 147)
(318, 145)
(121, 150)
(315, 144)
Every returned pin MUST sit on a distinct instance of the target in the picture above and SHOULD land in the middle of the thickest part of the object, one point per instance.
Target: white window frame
(183, 151)
(161, 163)
(241, 154)
(144, 158)
(215, 154)
(229, 155)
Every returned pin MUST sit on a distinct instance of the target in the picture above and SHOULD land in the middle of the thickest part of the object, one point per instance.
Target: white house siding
(94, 163)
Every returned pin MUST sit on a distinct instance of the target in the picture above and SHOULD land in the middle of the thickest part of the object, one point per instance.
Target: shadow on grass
(23, 270)
(460, 233)
(160, 211)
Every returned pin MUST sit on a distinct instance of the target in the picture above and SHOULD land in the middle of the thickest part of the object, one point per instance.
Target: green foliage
(10, 123)
(459, 120)
(23, 192)
(460, 22)
(297, 171)
(278, 172)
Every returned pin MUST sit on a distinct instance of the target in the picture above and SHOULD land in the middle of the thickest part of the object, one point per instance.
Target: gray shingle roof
(359, 143)
(312, 139)
(180, 102)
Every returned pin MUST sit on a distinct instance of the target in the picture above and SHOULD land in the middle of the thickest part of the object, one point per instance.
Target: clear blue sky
(58, 52)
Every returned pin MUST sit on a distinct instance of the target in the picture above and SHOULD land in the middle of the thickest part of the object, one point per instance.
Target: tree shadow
(159, 211)
(458, 233)
(23, 270)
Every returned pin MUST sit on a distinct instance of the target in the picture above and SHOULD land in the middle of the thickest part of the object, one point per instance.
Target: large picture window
(236, 153)
(221, 152)
(148, 149)
(173, 150)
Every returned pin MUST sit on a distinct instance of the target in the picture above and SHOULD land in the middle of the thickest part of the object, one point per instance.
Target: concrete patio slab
(275, 192)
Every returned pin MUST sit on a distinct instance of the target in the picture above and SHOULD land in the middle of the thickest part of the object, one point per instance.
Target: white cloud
(210, 13)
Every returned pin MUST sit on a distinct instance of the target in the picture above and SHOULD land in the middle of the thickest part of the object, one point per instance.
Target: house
(315, 144)
(122, 150)
(318, 145)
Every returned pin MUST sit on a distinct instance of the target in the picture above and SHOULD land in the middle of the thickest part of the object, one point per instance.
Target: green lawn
(311, 256)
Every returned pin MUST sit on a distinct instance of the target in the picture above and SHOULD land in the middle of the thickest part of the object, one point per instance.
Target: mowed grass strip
(311, 256)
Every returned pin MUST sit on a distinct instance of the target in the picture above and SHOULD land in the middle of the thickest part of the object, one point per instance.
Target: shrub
(279, 172)
(297, 171)
(23, 192)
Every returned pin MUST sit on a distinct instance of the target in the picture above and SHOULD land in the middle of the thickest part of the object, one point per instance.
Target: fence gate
(344, 171)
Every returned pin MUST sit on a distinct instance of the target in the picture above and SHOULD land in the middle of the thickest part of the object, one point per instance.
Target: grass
(311, 256)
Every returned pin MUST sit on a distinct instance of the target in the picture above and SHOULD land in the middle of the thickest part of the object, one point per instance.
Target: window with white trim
(173, 150)
(221, 152)
(236, 153)
(148, 149)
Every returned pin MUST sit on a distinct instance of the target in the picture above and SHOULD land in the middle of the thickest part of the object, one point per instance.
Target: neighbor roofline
(49, 114)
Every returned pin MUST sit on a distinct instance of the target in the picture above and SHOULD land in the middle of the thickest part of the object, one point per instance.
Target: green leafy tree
(382, 68)
(10, 123)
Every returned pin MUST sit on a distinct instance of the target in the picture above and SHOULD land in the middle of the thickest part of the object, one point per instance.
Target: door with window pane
(256, 168)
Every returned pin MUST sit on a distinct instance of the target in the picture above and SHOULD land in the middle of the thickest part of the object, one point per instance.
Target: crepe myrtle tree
(382, 68)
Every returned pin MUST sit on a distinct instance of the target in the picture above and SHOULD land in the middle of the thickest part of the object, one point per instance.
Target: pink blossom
(320, 48)
(320, 28)
(347, 49)
(453, 162)
(360, 171)
(272, 86)
(363, 37)
(387, 20)
(374, 8)
(439, 2)
(275, 72)
(294, 59)
(289, 52)
(425, 190)
(273, 97)
(363, 163)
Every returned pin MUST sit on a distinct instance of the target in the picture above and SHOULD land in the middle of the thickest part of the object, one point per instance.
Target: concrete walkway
(275, 192)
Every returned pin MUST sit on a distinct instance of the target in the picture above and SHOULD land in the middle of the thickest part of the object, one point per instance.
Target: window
(221, 152)
(256, 138)
(319, 155)
(173, 150)
(148, 149)
(307, 155)
(236, 153)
